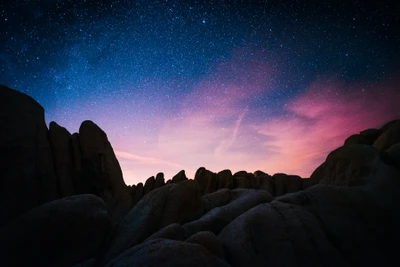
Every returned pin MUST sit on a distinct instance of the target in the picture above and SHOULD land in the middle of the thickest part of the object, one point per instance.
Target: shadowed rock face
(345, 214)
(389, 137)
(101, 171)
(149, 185)
(27, 172)
(58, 233)
(61, 145)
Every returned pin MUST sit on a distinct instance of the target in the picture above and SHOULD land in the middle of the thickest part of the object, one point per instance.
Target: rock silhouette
(28, 177)
(64, 203)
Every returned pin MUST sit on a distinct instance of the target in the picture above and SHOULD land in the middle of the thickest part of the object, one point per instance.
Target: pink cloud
(321, 119)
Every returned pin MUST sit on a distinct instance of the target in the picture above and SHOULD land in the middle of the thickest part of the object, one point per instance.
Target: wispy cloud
(225, 144)
(145, 160)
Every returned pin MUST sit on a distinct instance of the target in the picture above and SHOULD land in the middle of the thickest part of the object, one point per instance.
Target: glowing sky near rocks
(261, 85)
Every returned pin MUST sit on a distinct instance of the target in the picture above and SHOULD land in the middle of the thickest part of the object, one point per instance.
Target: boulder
(254, 182)
(138, 194)
(159, 180)
(266, 183)
(172, 203)
(347, 165)
(207, 180)
(149, 185)
(307, 182)
(284, 184)
(358, 139)
(240, 173)
(259, 173)
(387, 125)
(101, 169)
(173, 231)
(165, 252)
(388, 138)
(216, 219)
(240, 180)
(362, 166)
(371, 134)
(59, 233)
(77, 162)
(60, 141)
(360, 228)
(179, 177)
(209, 241)
(28, 177)
(394, 154)
(216, 199)
(224, 179)
(278, 234)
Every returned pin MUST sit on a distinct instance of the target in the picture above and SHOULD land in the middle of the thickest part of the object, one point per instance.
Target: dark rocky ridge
(64, 202)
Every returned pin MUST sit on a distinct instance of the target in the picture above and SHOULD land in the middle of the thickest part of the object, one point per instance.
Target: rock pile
(64, 203)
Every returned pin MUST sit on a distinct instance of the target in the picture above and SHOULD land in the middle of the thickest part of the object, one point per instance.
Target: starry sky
(244, 85)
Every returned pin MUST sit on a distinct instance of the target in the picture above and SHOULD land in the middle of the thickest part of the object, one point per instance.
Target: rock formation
(64, 203)
(27, 171)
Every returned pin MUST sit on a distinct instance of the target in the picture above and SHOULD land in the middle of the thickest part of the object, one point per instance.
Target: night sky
(244, 85)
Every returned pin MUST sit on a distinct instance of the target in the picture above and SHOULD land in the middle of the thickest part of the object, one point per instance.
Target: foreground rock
(172, 203)
(348, 217)
(164, 252)
(365, 167)
(389, 137)
(216, 219)
(59, 233)
(281, 235)
(209, 241)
